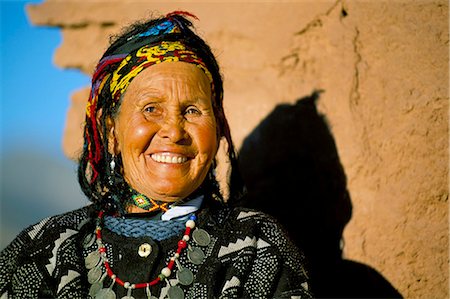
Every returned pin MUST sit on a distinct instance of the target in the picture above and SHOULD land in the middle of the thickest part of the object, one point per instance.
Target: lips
(169, 158)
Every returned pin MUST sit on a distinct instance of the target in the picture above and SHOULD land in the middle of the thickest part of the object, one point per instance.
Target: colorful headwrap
(146, 56)
(116, 71)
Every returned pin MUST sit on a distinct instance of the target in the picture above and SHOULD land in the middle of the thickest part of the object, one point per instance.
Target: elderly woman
(158, 225)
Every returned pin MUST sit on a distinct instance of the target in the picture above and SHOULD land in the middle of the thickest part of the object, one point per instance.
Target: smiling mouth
(169, 158)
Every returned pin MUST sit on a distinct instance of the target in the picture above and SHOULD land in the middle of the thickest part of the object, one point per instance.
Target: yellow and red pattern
(148, 204)
(146, 56)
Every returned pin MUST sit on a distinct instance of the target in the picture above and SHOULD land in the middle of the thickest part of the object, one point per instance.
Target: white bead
(126, 285)
(166, 272)
(176, 255)
(186, 238)
(190, 223)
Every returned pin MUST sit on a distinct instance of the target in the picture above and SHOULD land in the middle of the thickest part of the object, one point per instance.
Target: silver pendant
(88, 240)
(201, 237)
(185, 276)
(106, 294)
(94, 275)
(195, 255)
(92, 260)
(175, 292)
(128, 295)
(95, 288)
(149, 294)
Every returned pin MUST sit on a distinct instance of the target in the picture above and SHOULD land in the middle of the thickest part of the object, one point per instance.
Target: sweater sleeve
(41, 261)
(11, 260)
(8, 263)
(286, 264)
(293, 281)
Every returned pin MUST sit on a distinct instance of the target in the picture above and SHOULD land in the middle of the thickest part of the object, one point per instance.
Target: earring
(112, 166)
(112, 204)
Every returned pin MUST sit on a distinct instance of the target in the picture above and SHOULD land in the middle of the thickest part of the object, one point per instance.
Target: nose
(173, 129)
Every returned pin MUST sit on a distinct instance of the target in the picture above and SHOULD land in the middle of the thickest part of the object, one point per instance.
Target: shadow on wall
(292, 171)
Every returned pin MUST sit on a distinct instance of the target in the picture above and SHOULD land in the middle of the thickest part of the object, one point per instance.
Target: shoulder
(273, 242)
(47, 230)
(249, 218)
(69, 221)
(261, 239)
(244, 223)
(263, 225)
(34, 251)
(40, 235)
(268, 233)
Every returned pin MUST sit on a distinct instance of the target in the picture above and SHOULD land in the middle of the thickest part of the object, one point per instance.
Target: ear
(113, 145)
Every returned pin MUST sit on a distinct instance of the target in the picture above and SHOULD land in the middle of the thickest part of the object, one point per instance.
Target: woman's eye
(192, 110)
(150, 109)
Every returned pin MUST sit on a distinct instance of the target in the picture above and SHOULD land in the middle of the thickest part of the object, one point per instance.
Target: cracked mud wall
(383, 69)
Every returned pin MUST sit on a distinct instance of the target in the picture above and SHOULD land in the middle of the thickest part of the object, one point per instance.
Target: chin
(172, 192)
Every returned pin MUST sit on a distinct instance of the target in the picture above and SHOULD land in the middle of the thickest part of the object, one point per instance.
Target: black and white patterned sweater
(249, 256)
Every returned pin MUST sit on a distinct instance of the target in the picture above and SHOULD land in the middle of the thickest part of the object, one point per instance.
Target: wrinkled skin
(166, 131)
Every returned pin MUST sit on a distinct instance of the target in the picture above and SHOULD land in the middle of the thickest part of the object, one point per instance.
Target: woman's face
(166, 131)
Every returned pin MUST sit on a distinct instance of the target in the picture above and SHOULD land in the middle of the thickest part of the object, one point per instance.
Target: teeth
(169, 158)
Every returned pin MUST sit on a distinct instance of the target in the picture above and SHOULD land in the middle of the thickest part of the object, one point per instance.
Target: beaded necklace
(183, 275)
(148, 204)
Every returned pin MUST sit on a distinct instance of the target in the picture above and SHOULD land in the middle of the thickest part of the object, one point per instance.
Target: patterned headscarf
(117, 69)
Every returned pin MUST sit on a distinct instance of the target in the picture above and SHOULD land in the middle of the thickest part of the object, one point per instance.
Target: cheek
(141, 132)
(207, 140)
(136, 137)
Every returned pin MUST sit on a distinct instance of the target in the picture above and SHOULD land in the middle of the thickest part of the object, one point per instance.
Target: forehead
(171, 75)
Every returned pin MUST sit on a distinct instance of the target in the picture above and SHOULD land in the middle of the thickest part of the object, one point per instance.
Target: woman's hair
(105, 185)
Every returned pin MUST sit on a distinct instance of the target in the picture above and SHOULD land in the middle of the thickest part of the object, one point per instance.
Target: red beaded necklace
(165, 272)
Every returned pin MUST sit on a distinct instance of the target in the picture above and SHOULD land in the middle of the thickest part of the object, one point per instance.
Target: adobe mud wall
(383, 69)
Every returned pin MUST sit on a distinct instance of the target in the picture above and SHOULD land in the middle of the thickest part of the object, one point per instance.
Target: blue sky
(35, 94)
(36, 180)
